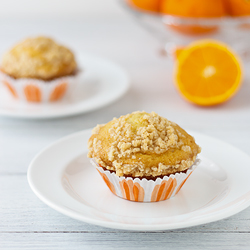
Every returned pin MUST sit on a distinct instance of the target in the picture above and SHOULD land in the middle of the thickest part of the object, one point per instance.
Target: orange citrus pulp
(207, 73)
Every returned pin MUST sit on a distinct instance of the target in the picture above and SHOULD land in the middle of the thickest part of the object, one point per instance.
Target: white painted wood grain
(23, 212)
(60, 8)
(135, 240)
(27, 223)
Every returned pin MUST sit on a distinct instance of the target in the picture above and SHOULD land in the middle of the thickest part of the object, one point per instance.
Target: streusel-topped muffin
(40, 58)
(142, 144)
(143, 157)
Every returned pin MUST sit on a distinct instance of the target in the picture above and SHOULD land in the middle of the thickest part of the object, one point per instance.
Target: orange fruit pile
(207, 73)
(194, 9)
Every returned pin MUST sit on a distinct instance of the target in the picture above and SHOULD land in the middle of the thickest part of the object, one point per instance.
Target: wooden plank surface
(24, 212)
(125, 240)
(27, 223)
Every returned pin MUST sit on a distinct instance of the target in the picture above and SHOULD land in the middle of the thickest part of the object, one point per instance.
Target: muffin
(38, 70)
(142, 156)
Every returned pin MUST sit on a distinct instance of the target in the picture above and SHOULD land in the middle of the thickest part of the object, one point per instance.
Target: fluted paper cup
(36, 90)
(144, 190)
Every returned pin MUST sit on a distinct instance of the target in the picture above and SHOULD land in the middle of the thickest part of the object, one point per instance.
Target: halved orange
(207, 72)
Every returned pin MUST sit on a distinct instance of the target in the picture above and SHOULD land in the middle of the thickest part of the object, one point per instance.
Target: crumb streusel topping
(142, 144)
(39, 58)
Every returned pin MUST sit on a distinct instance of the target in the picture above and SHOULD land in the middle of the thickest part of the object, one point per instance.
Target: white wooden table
(27, 223)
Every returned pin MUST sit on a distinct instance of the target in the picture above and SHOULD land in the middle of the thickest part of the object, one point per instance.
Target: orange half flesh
(207, 73)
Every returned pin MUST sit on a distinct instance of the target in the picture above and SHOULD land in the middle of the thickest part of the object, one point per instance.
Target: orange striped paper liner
(37, 90)
(108, 183)
(32, 93)
(143, 190)
(164, 190)
(58, 92)
(183, 182)
(132, 190)
(10, 88)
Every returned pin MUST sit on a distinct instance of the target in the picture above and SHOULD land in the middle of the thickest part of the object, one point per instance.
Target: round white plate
(63, 178)
(101, 83)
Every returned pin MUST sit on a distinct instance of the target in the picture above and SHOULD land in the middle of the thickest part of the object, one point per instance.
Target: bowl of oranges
(179, 22)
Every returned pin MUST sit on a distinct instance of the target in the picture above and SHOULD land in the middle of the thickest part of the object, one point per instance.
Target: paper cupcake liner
(143, 190)
(36, 90)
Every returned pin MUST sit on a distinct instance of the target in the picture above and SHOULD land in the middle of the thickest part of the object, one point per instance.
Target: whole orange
(238, 7)
(146, 5)
(194, 8)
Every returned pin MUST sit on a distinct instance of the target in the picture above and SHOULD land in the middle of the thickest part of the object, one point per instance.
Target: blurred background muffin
(38, 69)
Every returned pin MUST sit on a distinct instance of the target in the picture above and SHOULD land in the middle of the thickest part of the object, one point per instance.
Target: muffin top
(39, 58)
(142, 145)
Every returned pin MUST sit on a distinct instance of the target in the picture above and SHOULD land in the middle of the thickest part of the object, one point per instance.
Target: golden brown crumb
(142, 144)
(39, 58)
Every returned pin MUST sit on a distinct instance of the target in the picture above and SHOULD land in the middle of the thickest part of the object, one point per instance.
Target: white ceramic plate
(63, 178)
(101, 83)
